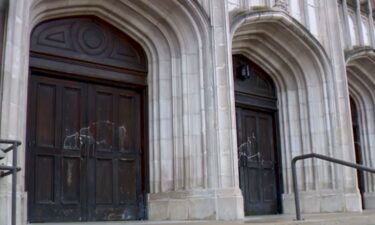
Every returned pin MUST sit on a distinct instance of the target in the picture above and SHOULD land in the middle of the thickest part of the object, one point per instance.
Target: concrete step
(365, 218)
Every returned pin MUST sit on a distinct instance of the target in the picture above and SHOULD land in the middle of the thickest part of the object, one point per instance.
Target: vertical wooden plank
(116, 175)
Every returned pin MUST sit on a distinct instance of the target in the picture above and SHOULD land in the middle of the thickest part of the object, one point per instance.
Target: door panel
(257, 161)
(56, 182)
(114, 160)
(45, 114)
(127, 185)
(44, 180)
(85, 152)
(71, 171)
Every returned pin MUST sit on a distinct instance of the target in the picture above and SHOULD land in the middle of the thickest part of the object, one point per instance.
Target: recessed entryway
(258, 157)
(86, 123)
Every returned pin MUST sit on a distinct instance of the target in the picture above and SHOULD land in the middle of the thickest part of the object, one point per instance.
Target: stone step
(365, 218)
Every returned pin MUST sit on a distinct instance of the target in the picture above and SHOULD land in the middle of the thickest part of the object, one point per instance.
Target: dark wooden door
(114, 159)
(257, 161)
(56, 183)
(84, 146)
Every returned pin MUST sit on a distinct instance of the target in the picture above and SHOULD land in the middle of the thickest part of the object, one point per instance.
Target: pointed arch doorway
(86, 116)
(256, 117)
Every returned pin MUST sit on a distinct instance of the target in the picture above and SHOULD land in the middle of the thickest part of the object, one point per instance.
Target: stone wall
(192, 130)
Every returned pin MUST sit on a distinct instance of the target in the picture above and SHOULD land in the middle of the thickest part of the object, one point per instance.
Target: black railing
(11, 170)
(323, 157)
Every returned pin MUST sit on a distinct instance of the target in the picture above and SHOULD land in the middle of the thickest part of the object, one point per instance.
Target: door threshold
(143, 222)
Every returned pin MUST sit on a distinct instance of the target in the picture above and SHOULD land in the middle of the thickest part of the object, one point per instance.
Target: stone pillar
(359, 22)
(13, 123)
(224, 169)
(4, 4)
(348, 40)
(344, 194)
(5, 188)
(3, 16)
(371, 23)
(306, 14)
(220, 198)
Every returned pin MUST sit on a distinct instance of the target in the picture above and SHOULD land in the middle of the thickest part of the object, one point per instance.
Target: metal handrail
(323, 157)
(11, 170)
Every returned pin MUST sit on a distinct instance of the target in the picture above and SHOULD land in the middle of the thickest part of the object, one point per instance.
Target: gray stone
(192, 125)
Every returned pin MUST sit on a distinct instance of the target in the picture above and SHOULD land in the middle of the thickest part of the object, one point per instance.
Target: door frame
(357, 149)
(273, 111)
(143, 91)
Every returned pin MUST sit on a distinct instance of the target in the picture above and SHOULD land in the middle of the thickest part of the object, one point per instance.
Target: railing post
(371, 23)
(295, 189)
(14, 184)
(11, 170)
(322, 157)
(359, 23)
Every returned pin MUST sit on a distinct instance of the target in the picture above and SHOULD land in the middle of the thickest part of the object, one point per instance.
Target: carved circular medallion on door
(92, 39)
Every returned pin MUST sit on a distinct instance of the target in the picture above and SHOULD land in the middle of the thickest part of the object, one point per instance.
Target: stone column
(13, 124)
(347, 36)
(219, 198)
(345, 179)
(371, 23)
(359, 22)
(224, 164)
(5, 188)
(306, 14)
(3, 18)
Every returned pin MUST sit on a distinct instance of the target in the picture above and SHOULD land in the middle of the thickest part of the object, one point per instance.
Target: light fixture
(244, 72)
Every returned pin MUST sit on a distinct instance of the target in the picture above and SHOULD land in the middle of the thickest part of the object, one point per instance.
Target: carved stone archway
(360, 72)
(308, 104)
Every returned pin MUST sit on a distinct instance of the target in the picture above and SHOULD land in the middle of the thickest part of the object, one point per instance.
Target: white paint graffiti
(246, 148)
(104, 132)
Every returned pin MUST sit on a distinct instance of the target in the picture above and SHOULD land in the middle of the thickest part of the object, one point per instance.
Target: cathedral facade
(185, 109)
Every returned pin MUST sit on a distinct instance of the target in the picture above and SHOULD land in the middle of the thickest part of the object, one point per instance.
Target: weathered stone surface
(192, 132)
(365, 218)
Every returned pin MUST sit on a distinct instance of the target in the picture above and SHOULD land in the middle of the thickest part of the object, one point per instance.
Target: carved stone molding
(281, 5)
(90, 40)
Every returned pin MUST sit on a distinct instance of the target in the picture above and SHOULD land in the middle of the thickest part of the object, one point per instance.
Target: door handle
(83, 148)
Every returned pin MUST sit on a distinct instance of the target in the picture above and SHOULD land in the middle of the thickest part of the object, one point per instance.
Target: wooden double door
(258, 167)
(84, 151)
